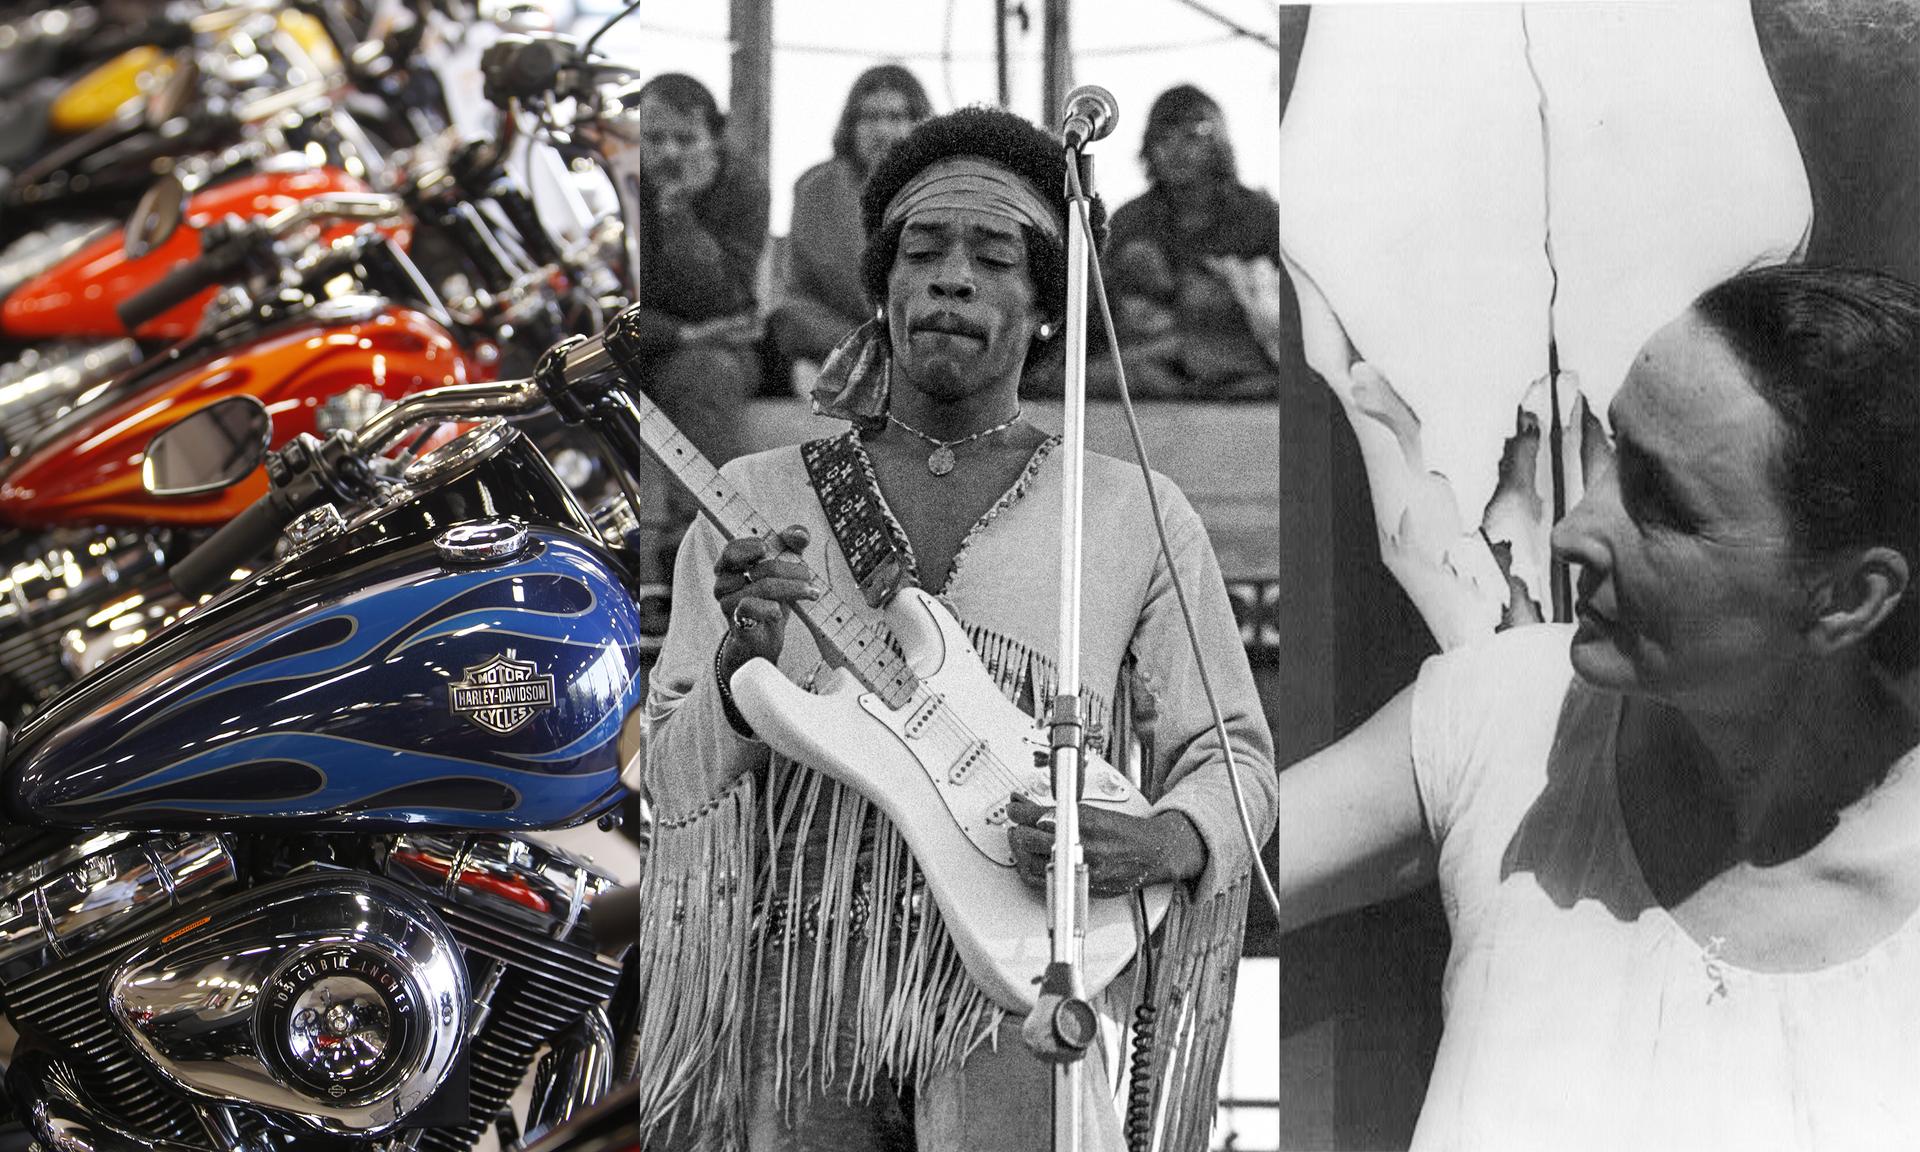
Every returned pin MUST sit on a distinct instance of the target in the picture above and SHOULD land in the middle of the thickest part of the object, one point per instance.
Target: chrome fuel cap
(481, 542)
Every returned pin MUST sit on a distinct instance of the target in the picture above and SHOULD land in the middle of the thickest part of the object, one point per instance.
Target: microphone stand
(1063, 1023)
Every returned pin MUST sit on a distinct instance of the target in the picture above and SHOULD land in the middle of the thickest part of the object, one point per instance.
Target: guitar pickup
(998, 813)
(963, 767)
(923, 715)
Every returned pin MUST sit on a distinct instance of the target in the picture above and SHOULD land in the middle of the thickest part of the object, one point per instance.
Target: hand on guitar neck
(1123, 852)
(756, 591)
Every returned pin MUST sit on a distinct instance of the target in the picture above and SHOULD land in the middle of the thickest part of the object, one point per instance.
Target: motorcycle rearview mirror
(156, 217)
(214, 448)
(171, 96)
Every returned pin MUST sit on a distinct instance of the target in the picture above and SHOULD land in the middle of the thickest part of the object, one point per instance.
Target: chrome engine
(73, 597)
(44, 382)
(163, 1000)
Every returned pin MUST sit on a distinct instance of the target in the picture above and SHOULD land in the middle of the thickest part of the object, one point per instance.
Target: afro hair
(991, 134)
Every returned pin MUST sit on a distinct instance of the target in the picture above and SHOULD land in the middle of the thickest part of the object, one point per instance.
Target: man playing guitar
(802, 988)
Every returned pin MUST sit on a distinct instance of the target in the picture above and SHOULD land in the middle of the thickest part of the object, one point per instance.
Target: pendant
(941, 461)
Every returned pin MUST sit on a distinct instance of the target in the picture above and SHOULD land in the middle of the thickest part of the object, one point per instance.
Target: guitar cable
(1173, 572)
(1139, 1118)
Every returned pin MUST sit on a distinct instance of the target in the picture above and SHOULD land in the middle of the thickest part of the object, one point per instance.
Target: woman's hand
(1122, 852)
(756, 591)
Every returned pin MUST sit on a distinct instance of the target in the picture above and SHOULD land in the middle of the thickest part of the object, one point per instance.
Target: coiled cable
(1139, 1121)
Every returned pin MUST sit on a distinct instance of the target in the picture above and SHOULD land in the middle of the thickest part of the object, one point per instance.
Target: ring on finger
(742, 620)
(1046, 823)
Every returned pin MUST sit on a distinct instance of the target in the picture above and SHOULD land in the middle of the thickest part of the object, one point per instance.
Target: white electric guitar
(932, 742)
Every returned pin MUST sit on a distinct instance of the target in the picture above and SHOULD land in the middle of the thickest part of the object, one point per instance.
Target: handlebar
(452, 402)
(213, 267)
(248, 535)
(361, 207)
(229, 247)
(307, 473)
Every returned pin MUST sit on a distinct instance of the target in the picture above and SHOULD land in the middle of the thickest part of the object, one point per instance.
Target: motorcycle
(255, 84)
(80, 567)
(80, 556)
(269, 883)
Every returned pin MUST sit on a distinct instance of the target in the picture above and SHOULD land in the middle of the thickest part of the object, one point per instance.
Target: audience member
(820, 297)
(704, 222)
(1193, 266)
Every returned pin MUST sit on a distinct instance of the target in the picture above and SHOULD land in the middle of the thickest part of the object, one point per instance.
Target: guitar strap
(869, 538)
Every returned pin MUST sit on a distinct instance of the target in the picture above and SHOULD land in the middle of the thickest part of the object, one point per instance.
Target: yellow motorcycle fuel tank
(94, 98)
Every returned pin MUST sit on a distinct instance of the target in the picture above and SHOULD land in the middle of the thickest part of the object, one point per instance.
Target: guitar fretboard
(865, 650)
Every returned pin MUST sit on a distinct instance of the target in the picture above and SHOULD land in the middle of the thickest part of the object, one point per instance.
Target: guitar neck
(865, 650)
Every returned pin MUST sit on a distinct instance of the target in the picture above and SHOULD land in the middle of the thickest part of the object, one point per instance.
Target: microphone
(1091, 114)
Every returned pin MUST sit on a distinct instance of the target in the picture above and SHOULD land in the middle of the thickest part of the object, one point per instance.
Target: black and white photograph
(959, 575)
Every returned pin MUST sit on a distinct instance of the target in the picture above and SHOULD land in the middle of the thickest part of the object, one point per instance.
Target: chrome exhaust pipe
(572, 1076)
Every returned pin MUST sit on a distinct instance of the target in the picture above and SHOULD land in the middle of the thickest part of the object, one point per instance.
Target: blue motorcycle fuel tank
(470, 677)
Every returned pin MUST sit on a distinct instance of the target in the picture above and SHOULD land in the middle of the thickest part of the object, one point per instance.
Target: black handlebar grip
(239, 541)
(183, 283)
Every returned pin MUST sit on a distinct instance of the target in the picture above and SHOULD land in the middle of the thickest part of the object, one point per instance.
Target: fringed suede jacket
(768, 881)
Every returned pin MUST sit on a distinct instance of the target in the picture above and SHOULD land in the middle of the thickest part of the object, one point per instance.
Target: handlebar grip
(239, 541)
(183, 283)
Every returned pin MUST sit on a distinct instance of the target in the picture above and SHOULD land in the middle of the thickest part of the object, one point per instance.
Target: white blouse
(1579, 1014)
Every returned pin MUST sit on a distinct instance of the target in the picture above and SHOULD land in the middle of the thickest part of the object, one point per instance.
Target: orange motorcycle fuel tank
(75, 299)
(86, 466)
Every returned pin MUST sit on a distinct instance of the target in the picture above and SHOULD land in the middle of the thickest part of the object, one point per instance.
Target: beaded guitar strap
(869, 539)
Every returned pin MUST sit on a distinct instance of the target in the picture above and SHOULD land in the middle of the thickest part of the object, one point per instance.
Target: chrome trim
(539, 886)
(34, 253)
(315, 525)
(481, 541)
(350, 409)
(105, 885)
(449, 402)
(205, 1003)
(367, 207)
(45, 381)
(574, 1075)
(60, 1116)
(122, 623)
(69, 568)
(616, 520)
(346, 309)
(461, 452)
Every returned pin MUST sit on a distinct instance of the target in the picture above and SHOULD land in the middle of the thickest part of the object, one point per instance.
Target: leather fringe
(837, 928)
(1194, 984)
(694, 994)
(869, 983)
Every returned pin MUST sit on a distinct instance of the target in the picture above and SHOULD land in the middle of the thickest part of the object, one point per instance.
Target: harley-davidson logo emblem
(502, 694)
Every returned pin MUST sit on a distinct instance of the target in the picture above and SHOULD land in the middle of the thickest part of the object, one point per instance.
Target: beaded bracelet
(727, 705)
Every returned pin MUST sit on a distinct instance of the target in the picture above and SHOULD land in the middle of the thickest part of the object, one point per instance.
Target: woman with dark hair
(1679, 844)
(1194, 266)
(820, 297)
(802, 980)
(703, 224)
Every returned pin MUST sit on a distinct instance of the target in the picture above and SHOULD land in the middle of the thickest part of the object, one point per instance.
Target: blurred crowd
(1192, 267)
